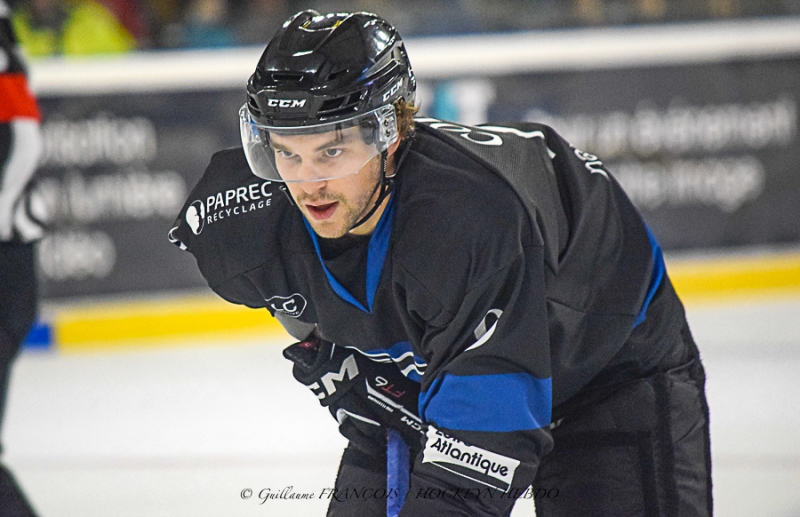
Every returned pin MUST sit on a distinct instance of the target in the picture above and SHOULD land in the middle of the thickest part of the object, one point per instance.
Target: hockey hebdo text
(364, 493)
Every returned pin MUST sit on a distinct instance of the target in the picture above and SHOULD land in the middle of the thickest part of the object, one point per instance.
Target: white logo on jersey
(293, 306)
(234, 202)
(591, 162)
(481, 333)
(195, 217)
(481, 135)
(497, 470)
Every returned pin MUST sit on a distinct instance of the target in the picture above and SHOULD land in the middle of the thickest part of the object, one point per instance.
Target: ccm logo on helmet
(286, 103)
(393, 90)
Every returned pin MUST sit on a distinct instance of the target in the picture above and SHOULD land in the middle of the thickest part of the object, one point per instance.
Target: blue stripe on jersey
(396, 352)
(376, 256)
(500, 403)
(378, 248)
(399, 353)
(658, 275)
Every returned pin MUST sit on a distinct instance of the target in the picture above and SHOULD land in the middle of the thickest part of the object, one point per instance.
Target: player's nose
(312, 187)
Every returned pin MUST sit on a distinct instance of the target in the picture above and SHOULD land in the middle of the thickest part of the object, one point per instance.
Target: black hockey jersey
(508, 272)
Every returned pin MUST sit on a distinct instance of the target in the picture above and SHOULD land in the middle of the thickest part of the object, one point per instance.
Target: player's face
(320, 156)
(331, 206)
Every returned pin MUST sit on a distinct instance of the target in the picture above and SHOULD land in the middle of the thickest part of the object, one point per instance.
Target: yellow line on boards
(735, 278)
(94, 327)
(105, 325)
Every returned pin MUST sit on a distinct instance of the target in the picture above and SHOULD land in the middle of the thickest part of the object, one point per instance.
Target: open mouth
(322, 212)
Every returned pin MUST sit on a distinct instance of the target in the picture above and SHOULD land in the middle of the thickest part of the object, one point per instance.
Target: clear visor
(316, 153)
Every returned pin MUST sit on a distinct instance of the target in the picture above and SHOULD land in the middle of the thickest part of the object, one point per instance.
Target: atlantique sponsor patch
(480, 465)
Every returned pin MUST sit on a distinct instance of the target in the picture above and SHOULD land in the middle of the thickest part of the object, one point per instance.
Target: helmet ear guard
(382, 129)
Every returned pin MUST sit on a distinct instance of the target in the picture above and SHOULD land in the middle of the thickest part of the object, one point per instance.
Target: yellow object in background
(159, 322)
(119, 324)
(82, 28)
(720, 279)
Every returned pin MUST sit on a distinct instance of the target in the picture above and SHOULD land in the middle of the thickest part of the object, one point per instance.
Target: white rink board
(442, 57)
(181, 431)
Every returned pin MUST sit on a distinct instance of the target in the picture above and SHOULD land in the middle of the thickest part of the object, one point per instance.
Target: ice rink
(182, 430)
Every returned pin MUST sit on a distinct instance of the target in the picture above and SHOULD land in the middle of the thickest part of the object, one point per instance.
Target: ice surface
(183, 430)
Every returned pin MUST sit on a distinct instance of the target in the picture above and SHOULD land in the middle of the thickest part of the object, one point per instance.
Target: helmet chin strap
(385, 184)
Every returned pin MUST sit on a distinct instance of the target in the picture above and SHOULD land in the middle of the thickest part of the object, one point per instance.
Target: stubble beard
(348, 213)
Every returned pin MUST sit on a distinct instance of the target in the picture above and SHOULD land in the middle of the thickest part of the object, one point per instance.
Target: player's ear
(393, 148)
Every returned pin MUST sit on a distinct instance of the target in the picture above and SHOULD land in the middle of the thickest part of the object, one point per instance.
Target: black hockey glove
(364, 396)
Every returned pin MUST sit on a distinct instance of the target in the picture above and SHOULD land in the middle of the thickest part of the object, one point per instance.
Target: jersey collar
(376, 256)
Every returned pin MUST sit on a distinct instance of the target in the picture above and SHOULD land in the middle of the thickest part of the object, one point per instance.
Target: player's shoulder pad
(502, 148)
(488, 136)
(520, 154)
(228, 218)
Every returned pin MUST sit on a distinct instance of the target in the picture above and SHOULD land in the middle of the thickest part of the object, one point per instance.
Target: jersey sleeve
(230, 224)
(486, 396)
(225, 212)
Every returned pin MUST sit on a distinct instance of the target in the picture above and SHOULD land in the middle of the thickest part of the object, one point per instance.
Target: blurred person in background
(69, 27)
(20, 147)
(207, 24)
(136, 17)
(165, 22)
(724, 8)
(434, 17)
(256, 19)
(598, 12)
(611, 12)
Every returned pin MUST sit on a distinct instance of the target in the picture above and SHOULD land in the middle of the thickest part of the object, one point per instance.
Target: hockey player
(20, 146)
(488, 293)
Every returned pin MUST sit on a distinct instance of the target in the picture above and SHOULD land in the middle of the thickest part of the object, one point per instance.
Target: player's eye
(284, 154)
(333, 153)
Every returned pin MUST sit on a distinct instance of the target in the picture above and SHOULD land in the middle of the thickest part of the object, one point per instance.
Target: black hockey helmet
(340, 74)
(319, 69)
(325, 74)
